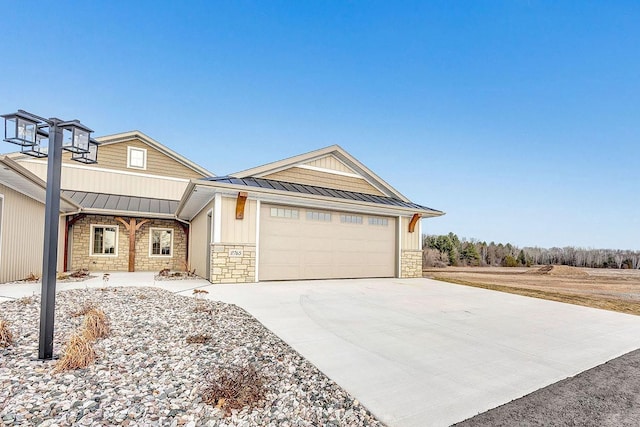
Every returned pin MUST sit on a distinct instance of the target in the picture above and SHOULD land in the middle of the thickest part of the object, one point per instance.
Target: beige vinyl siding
(79, 178)
(114, 156)
(238, 230)
(198, 242)
(323, 179)
(330, 162)
(410, 240)
(22, 236)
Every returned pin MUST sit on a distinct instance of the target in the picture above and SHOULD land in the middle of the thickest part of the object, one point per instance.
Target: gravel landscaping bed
(146, 373)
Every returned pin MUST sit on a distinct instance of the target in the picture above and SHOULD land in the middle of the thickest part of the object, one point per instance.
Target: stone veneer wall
(176, 261)
(229, 269)
(411, 264)
(81, 239)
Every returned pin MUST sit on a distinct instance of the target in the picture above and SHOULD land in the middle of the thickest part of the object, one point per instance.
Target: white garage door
(297, 243)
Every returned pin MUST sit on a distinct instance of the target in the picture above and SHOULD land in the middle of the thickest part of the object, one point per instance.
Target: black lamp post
(31, 133)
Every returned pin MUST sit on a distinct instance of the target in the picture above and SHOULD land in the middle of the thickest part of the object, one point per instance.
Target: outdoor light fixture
(90, 156)
(39, 149)
(76, 137)
(20, 128)
(40, 137)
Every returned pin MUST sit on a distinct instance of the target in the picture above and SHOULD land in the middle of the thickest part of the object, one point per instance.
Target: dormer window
(136, 158)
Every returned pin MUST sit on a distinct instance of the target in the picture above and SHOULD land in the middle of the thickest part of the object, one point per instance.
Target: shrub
(96, 324)
(510, 261)
(27, 300)
(200, 305)
(6, 337)
(78, 354)
(198, 339)
(83, 309)
(234, 387)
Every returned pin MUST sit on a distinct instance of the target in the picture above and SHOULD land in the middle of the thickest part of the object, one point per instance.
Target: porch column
(132, 226)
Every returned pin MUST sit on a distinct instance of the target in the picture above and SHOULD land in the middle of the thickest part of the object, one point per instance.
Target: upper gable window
(136, 158)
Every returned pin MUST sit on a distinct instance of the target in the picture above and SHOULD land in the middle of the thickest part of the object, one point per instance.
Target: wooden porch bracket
(132, 226)
(414, 221)
(240, 202)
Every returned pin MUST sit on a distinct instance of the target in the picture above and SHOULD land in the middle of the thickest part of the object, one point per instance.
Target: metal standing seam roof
(116, 202)
(318, 191)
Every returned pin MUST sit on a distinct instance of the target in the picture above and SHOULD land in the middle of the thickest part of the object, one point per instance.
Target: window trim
(151, 254)
(144, 158)
(92, 238)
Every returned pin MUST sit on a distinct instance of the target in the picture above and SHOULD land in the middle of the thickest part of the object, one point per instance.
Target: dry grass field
(617, 290)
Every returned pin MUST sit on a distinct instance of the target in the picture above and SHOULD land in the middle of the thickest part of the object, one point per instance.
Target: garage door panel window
(104, 240)
(351, 219)
(373, 220)
(161, 242)
(318, 216)
(284, 213)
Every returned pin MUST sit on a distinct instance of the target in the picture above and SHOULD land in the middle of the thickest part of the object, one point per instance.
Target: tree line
(448, 249)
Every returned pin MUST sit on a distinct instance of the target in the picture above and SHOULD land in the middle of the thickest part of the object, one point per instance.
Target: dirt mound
(560, 270)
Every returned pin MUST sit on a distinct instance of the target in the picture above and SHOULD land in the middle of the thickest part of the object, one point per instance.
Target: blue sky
(520, 119)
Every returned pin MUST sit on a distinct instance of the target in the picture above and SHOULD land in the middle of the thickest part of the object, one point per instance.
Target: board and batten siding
(199, 241)
(409, 241)
(21, 236)
(323, 179)
(238, 231)
(90, 179)
(114, 156)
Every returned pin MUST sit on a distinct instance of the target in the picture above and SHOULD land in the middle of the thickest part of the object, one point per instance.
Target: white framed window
(376, 220)
(351, 219)
(284, 213)
(104, 240)
(318, 216)
(136, 158)
(161, 242)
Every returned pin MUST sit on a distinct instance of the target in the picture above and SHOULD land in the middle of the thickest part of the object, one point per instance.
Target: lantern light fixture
(20, 128)
(90, 157)
(76, 137)
(41, 137)
(40, 148)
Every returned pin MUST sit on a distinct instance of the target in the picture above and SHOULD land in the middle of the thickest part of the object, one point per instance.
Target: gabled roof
(322, 191)
(136, 134)
(334, 150)
(16, 177)
(202, 191)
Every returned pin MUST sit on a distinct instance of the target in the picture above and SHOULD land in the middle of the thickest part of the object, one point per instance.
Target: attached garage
(297, 243)
(319, 215)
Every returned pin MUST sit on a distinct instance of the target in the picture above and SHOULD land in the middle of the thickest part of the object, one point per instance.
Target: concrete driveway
(419, 352)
